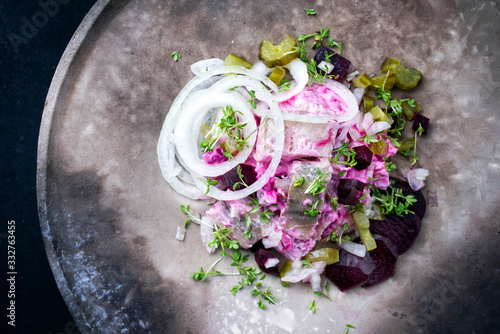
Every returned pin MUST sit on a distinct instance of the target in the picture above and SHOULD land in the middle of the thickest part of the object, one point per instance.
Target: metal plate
(109, 219)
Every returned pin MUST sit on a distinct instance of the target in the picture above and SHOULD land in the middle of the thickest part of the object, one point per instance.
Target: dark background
(29, 55)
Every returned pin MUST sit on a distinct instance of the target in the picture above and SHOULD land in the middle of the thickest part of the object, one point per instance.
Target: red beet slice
(384, 258)
(261, 257)
(341, 64)
(401, 231)
(363, 157)
(351, 271)
(349, 191)
(231, 178)
(420, 206)
(420, 119)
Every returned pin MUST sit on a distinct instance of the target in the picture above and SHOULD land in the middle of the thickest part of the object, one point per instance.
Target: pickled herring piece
(278, 55)
(329, 255)
(296, 222)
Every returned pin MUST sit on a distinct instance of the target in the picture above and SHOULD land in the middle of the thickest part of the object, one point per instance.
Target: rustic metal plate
(109, 219)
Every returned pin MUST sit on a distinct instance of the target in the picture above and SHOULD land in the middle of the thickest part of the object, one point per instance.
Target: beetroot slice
(349, 191)
(363, 157)
(401, 231)
(420, 206)
(420, 120)
(341, 64)
(351, 271)
(261, 257)
(231, 178)
(384, 257)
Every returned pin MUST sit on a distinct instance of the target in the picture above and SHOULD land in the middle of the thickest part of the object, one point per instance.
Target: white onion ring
(345, 94)
(206, 65)
(298, 70)
(166, 148)
(265, 96)
(186, 131)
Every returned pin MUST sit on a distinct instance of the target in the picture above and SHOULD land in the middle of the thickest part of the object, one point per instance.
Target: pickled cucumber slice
(409, 110)
(407, 78)
(368, 103)
(385, 80)
(232, 60)
(278, 55)
(277, 75)
(362, 81)
(390, 64)
(329, 255)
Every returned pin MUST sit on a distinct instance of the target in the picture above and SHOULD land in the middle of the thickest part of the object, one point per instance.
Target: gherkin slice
(387, 81)
(232, 60)
(278, 55)
(329, 255)
(390, 64)
(407, 78)
(277, 75)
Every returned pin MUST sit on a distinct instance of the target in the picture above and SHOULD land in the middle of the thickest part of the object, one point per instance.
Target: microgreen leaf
(310, 11)
(313, 307)
(176, 55)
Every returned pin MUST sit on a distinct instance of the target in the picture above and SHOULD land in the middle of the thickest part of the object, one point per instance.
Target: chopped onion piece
(416, 177)
(181, 233)
(353, 248)
(358, 94)
(326, 66)
(378, 127)
(271, 262)
(206, 231)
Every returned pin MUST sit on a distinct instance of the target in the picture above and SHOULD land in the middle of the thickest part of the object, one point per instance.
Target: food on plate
(294, 155)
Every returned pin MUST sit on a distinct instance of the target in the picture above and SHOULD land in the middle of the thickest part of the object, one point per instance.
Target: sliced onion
(206, 65)
(187, 131)
(416, 177)
(271, 262)
(326, 66)
(298, 70)
(358, 94)
(260, 69)
(377, 127)
(166, 149)
(345, 94)
(265, 96)
(353, 248)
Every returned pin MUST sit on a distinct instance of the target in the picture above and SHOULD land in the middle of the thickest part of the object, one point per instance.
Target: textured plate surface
(109, 219)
